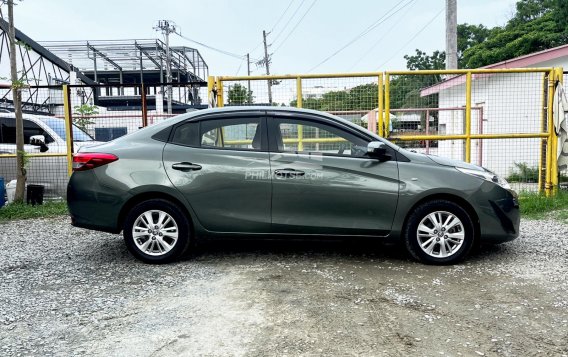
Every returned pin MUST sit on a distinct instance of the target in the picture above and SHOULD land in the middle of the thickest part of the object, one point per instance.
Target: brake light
(89, 160)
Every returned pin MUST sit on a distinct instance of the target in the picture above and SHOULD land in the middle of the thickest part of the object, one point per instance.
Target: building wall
(512, 103)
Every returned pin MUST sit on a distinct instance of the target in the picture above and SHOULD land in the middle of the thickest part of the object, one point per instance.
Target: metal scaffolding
(131, 61)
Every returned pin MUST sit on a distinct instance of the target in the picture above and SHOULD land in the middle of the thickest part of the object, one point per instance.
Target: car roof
(28, 116)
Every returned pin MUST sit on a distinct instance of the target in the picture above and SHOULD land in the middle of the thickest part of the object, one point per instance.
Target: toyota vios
(282, 172)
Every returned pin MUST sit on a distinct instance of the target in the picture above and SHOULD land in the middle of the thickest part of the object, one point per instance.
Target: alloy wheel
(155, 232)
(440, 234)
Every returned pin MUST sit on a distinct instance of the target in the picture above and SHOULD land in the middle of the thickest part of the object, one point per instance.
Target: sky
(312, 41)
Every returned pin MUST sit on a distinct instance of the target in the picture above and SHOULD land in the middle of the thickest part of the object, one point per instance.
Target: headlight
(486, 175)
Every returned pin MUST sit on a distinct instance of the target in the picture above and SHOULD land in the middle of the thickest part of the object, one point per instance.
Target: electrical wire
(392, 11)
(288, 22)
(282, 16)
(227, 53)
(384, 35)
(413, 37)
(240, 65)
(295, 26)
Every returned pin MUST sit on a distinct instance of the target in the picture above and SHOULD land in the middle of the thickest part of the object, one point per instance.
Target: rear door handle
(186, 166)
(289, 173)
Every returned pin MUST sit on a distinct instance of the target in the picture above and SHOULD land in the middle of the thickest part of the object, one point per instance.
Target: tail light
(89, 160)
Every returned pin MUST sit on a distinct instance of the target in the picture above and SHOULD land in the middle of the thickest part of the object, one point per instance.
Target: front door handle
(186, 166)
(289, 173)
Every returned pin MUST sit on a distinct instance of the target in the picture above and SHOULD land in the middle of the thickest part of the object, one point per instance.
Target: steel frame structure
(131, 61)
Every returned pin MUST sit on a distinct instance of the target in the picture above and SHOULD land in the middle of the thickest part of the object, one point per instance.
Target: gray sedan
(281, 172)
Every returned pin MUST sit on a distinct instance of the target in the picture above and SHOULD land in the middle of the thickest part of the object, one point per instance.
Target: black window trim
(273, 133)
(261, 115)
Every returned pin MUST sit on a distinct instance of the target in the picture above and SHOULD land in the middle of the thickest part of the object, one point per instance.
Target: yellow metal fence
(498, 118)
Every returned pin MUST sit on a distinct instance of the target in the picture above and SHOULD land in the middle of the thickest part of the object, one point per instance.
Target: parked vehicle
(42, 134)
(283, 172)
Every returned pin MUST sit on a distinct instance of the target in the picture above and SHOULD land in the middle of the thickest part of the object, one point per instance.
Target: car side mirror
(378, 150)
(39, 140)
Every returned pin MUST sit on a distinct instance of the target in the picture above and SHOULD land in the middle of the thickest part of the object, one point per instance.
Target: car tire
(439, 232)
(156, 231)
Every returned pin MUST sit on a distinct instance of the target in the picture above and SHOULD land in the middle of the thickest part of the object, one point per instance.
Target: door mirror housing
(378, 150)
(39, 140)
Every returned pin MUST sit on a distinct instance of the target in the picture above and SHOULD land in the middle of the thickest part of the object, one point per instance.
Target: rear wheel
(439, 232)
(156, 231)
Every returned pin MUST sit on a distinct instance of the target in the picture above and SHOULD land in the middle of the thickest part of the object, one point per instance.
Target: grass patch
(538, 206)
(15, 211)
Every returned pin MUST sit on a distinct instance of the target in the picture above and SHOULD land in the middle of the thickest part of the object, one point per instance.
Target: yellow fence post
(387, 107)
(68, 128)
(210, 85)
(299, 98)
(467, 117)
(220, 95)
(558, 78)
(380, 106)
(548, 187)
(299, 103)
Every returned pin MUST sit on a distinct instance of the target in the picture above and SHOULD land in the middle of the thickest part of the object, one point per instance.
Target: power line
(288, 22)
(413, 37)
(372, 47)
(282, 16)
(371, 27)
(227, 53)
(295, 26)
(240, 65)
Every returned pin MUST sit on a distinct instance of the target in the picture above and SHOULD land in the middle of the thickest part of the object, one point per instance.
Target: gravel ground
(66, 291)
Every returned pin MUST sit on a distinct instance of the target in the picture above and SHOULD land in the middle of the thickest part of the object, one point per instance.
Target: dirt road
(66, 291)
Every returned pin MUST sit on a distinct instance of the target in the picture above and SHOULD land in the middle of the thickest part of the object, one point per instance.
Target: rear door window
(236, 134)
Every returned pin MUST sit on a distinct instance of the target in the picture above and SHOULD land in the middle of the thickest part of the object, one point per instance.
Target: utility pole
(248, 74)
(167, 27)
(17, 99)
(451, 34)
(267, 63)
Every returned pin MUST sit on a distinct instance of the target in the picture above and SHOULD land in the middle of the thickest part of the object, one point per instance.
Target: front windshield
(58, 125)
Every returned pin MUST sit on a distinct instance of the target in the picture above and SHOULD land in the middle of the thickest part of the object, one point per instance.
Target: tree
(82, 115)
(469, 36)
(239, 94)
(17, 84)
(423, 61)
(535, 26)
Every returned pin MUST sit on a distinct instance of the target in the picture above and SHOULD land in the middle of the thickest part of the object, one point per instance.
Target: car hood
(440, 160)
(454, 163)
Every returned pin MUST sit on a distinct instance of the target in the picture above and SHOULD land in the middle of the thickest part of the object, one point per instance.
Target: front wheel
(439, 232)
(156, 231)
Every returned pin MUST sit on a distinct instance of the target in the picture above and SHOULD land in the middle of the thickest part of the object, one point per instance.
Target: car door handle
(186, 166)
(289, 173)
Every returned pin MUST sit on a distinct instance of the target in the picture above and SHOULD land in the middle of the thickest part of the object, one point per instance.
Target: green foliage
(536, 25)
(469, 36)
(361, 97)
(25, 160)
(84, 111)
(523, 173)
(239, 94)
(537, 206)
(423, 61)
(20, 210)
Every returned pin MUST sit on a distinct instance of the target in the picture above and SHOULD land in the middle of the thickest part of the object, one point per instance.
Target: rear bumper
(82, 224)
(91, 205)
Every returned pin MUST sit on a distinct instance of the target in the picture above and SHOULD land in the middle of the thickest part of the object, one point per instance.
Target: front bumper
(499, 216)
